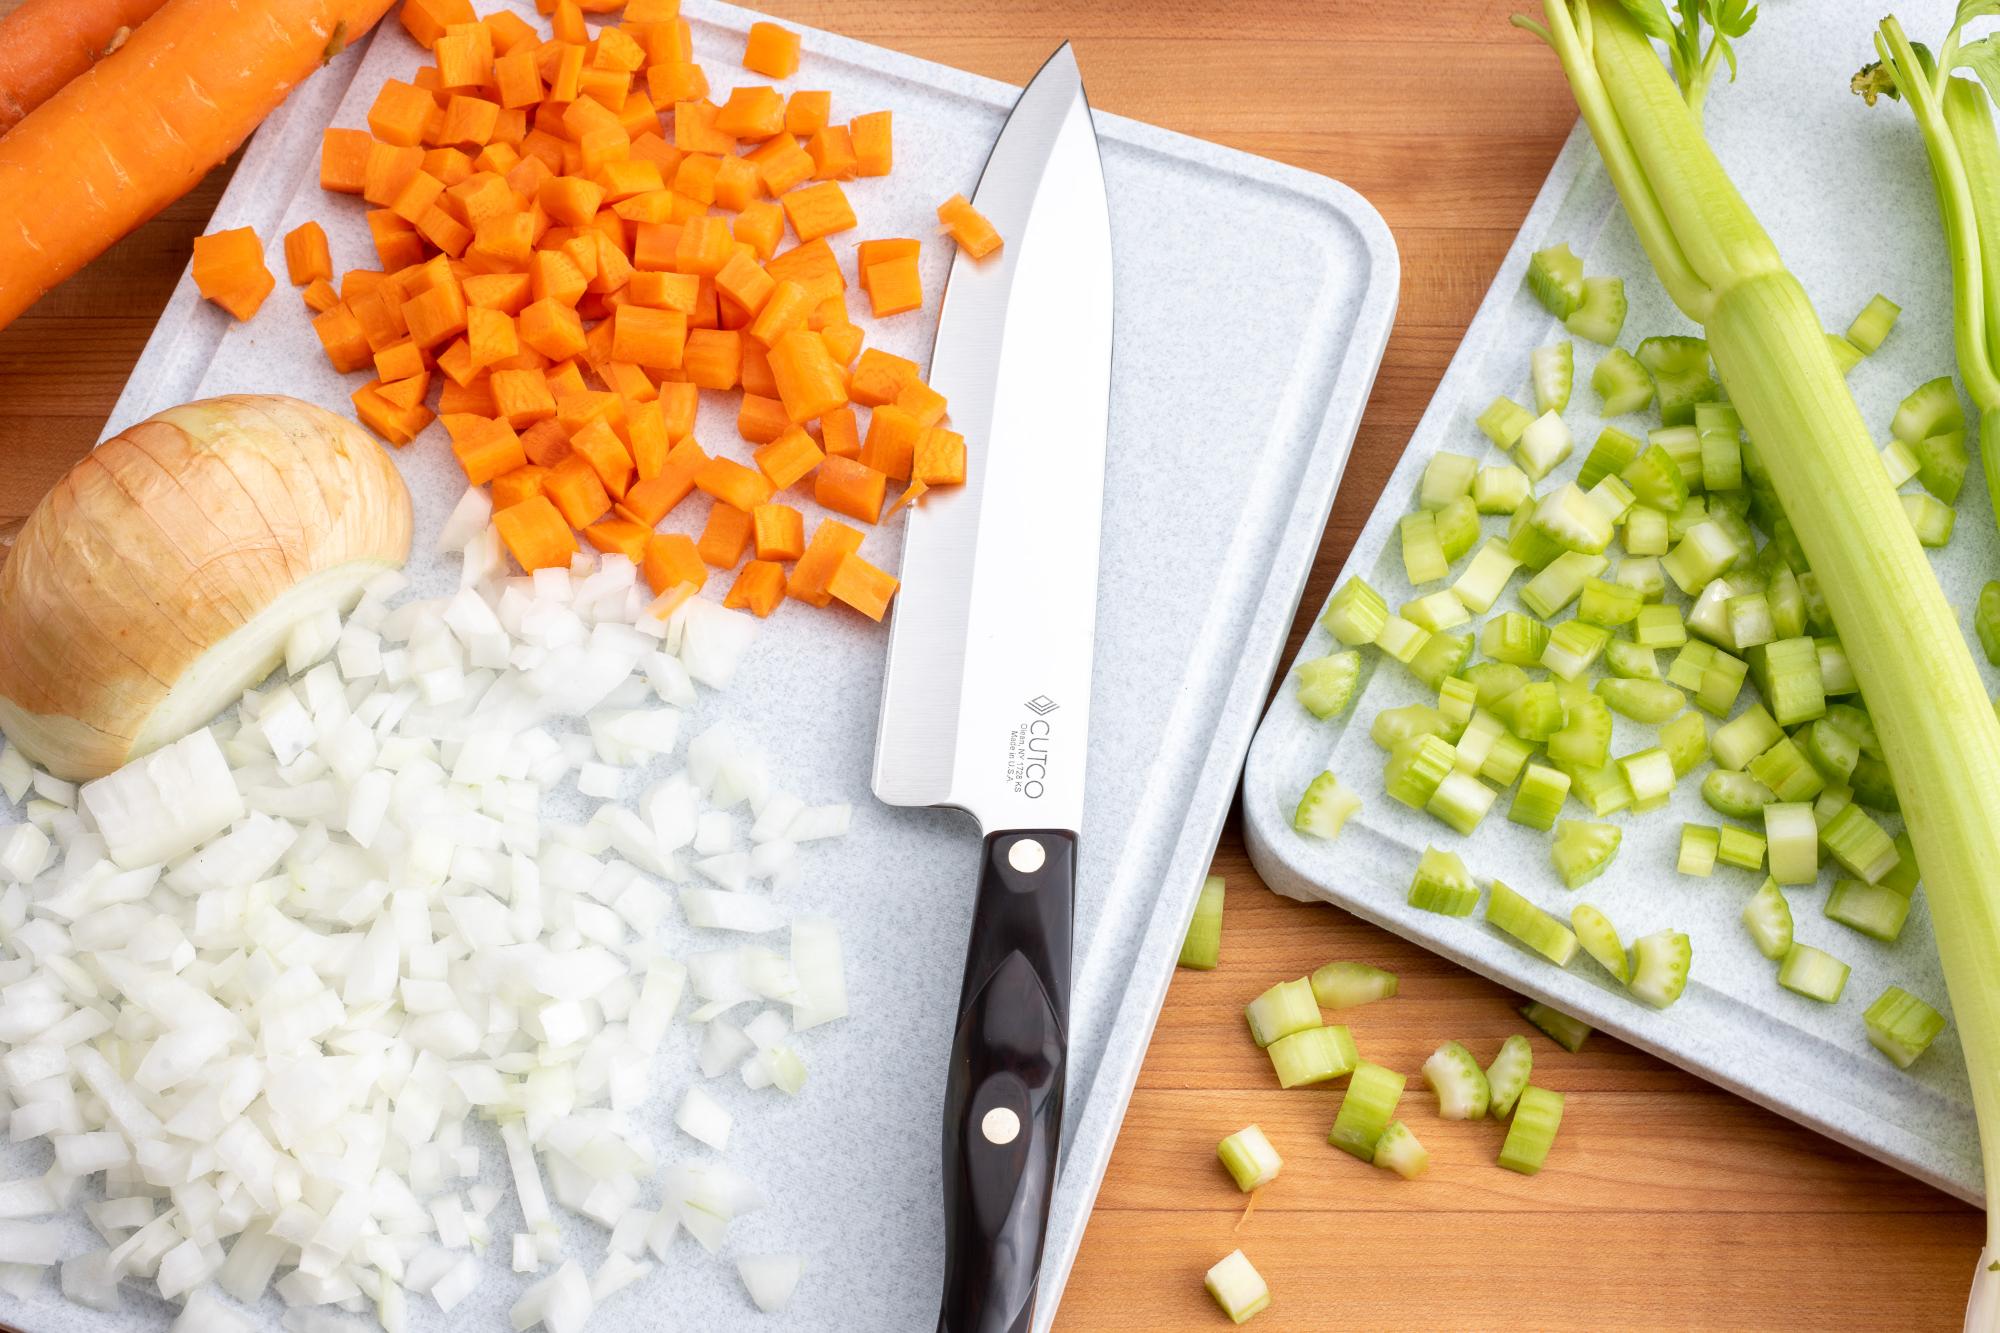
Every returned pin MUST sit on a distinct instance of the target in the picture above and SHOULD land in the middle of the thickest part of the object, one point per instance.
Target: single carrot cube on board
(399, 361)
(772, 51)
(782, 163)
(464, 55)
(893, 286)
(575, 489)
(784, 309)
(523, 483)
(678, 404)
(493, 451)
(646, 434)
(879, 376)
(810, 381)
(806, 112)
(619, 535)
(725, 537)
(394, 423)
(229, 270)
(490, 336)
(534, 531)
(426, 20)
(832, 152)
(743, 280)
(757, 377)
(671, 559)
(653, 499)
(818, 210)
(320, 296)
(843, 342)
(599, 445)
(863, 586)
(760, 225)
(343, 160)
(731, 483)
(754, 112)
(656, 339)
(832, 542)
(407, 393)
(812, 266)
(788, 458)
(940, 458)
(713, 358)
(921, 401)
(307, 258)
(760, 419)
(758, 589)
(523, 396)
(341, 334)
(974, 234)
(891, 445)
(839, 436)
(779, 531)
(851, 488)
(736, 184)
(674, 82)
(874, 151)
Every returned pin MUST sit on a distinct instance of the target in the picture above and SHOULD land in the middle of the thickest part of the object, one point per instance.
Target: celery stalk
(1202, 949)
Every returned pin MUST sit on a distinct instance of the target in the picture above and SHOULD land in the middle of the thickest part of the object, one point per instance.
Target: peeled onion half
(161, 577)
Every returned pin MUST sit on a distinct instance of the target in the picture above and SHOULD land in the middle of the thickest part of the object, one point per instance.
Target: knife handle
(1003, 1103)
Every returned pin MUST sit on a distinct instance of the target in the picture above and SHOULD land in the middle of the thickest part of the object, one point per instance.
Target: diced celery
(1859, 844)
(1873, 909)
(1706, 551)
(1648, 701)
(1611, 498)
(1749, 616)
(1475, 742)
(1528, 543)
(1856, 723)
(1540, 797)
(1872, 325)
(1788, 604)
(1608, 457)
(1709, 616)
(1312, 1055)
(1503, 421)
(1401, 639)
(1326, 805)
(1642, 574)
(1447, 477)
(1846, 356)
(1585, 738)
(1873, 787)
(1789, 678)
(1202, 947)
(1457, 697)
(1746, 736)
(1740, 847)
(1458, 1081)
(1366, 1109)
(1355, 614)
(1899, 461)
(1650, 775)
(1660, 963)
(1602, 313)
(1555, 276)
(1532, 1132)
(1986, 621)
(1813, 973)
(1655, 479)
(1457, 527)
(1581, 850)
(1534, 712)
(1504, 760)
(1508, 911)
(1500, 490)
(1941, 463)
(1543, 444)
(1508, 1074)
(1721, 681)
(1551, 369)
(1792, 838)
(1285, 1008)
(1698, 847)
(1685, 739)
(1496, 680)
(1439, 656)
(1621, 382)
(1646, 531)
(1785, 769)
(1572, 647)
(1930, 519)
(1398, 1150)
(1830, 802)
(1392, 726)
(1659, 627)
(1693, 514)
(1343, 985)
(1423, 554)
(1443, 885)
(1721, 455)
(1569, 518)
(1737, 795)
(1599, 939)
(1249, 1158)
(1626, 660)
(1690, 663)
(1326, 684)
(1566, 1032)
(1901, 1026)
(1928, 409)
(1608, 604)
(1461, 800)
(1440, 610)
(1679, 367)
(1485, 578)
(1560, 582)
(1832, 751)
(1415, 768)
(1237, 1287)
(1836, 673)
(1768, 918)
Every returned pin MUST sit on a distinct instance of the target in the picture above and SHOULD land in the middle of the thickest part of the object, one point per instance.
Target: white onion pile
(258, 982)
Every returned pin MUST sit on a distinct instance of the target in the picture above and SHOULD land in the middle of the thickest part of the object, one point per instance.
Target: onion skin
(163, 542)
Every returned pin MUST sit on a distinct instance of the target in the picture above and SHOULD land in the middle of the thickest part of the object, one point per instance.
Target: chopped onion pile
(258, 982)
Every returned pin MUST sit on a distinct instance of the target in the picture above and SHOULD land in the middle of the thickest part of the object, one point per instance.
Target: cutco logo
(1028, 749)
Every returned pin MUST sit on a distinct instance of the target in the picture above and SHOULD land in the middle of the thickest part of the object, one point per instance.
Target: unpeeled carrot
(142, 126)
(46, 43)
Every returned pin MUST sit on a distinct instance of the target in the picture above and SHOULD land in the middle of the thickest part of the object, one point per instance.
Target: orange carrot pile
(563, 273)
(46, 43)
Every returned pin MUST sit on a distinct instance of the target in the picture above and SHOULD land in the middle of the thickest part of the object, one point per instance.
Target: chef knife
(986, 700)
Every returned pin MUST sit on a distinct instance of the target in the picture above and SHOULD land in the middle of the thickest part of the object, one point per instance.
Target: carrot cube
(733, 484)
(490, 336)
(394, 423)
(743, 280)
(469, 119)
(399, 361)
(921, 401)
(576, 410)
(893, 286)
(450, 165)
(565, 76)
(818, 210)
(760, 419)
(812, 266)
(695, 177)
(573, 485)
(758, 589)
(629, 382)
(407, 393)
(788, 458)
(497, 291)
(806, 112)
(388, 169)
(523, 483)
(656, 339)
(320, 296)
(772, 51)
(940, 457)
(464, 55)
(839, 436)
(832, 542)
(343, 160)
(572, 200)
(523, 396)
(892, 441)
(653, 499)
(843, 342)
(974, 234)
(628, 178)
(725, 537)
(695, 131)
(340, 333)
(229, 270)
(617, 50)
(598, 445)
(879, 376)
(783, 163)
(546, 443)
(400, 112)
(780, 532)
(619, 535)
(784, 310)
(504, 241)
(435, 315)
(671, 560)
(810, 381)
(566, 21)
(307, 257)
(713, 358)
(475, 397)
(851, 488)
(874, 153)
(380, 315)
(491, 451)
(832, 153)
(753, 112)
(426, 20)
(654, 245)
(674, 82)
(554, 276)
(757, 377)
(760, 225)
(419, 192)
(608, 87)
(863, 586)
(518, 80)
(535, 532)
(552, 328)
(704, 246)
(646, 431)
(662, 291)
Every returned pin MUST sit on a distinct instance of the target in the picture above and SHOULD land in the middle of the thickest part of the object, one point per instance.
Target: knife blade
(986, 697)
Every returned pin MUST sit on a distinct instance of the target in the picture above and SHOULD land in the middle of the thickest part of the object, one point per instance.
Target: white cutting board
(1253, 304)
(1845, 192)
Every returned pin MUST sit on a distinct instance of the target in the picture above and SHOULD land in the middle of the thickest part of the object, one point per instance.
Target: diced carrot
(646, 430)
(614, 270)
(879, 376)
(704, 246)
(576, 410)
(400, 112)
(713, 358)
(695, 131)
(733, 484)
(629, 382)
(863, 586)
(832, 152)
(869, 253)
(754, 112)
(571, 199)
(535, 532)
(758, 589)
(940, 457)
(662, 291)
(617, 50)
(426, 20)
(565, 379)
(476, 397)
(788, 458)
(832, 542)
(780, 532)
(695, 177)
(725, 537)
(676, 82)
(398, 425)
(838, 434)
(343, 160)
(874, 153)
(629, 177)
(469, 120)
(523, 396)
(490, 336)
(760, 225)
(492, 451)
(921, 401)
(483, 196)
(620, 535)
(851, 488)
(464, 55)
(743, 280)
(565, 77)
(656, 339)
(736, 184)
(772, 51)
(511, 32)
(320, 296)
(818, 210)
(497, 157)
(806, 112)
(307, 258)
(574, 486)
(812, 266)
(229, 270)
(761, 420)
(783, 310)
(913, 493)
(892, 441)
(671, 559)
(380, 315)
(518, 80)
(399, 361)
(843, 342)
(388, 169)
(436, 314)
(545, 442)
(598, 445)
(608, 86)
(552, 328)
(782, 163)
(810, 381)
(522, 483)
(893, 286)
(653, 499)
(407, 393)
(647, 206)
(974, 234)
(832, 310)
(647, 12)
(449, 165)
(554, 276)
(757, 377)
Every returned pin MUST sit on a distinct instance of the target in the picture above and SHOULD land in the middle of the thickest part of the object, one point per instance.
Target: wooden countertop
(1667, 1202)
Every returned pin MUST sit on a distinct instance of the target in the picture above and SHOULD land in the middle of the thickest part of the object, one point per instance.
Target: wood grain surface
(1667, 1203)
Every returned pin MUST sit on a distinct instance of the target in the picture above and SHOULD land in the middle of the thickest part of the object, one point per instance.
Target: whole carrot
(46, 43)
(139, 128)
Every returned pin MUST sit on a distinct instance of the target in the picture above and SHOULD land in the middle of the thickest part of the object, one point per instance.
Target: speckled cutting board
(1253, 304)
(1845, 193)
